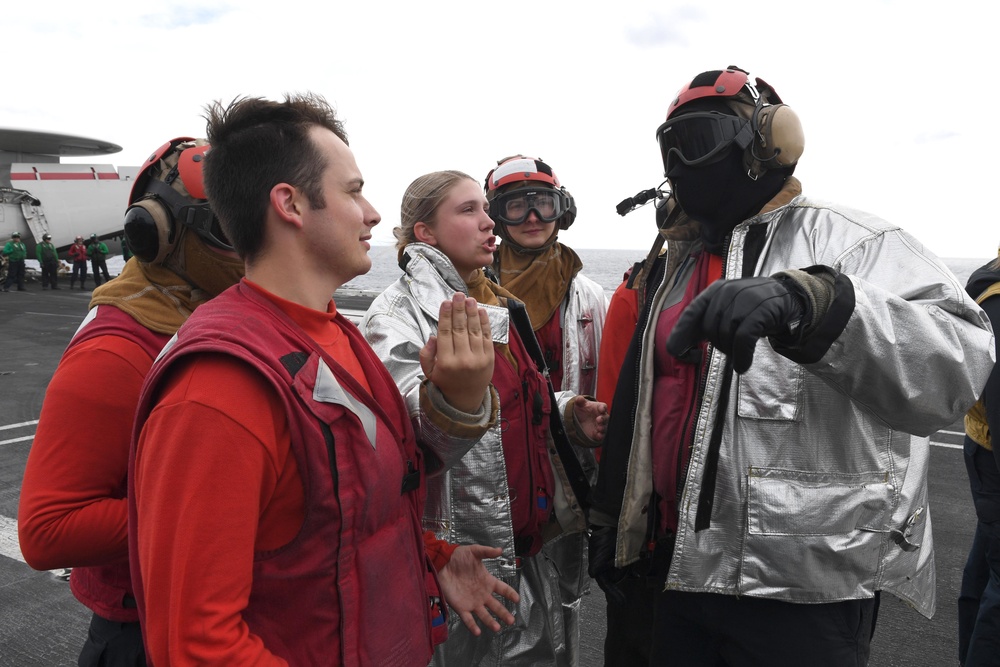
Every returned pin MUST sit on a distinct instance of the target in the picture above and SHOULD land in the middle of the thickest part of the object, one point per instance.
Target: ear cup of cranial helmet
(149, 231)
(567, 219)
(780, 137)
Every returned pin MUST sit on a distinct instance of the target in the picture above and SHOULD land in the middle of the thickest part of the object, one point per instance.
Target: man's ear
(423, 233)
(286, 200)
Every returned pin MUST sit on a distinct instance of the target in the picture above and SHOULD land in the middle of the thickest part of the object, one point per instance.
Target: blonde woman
(512, 490)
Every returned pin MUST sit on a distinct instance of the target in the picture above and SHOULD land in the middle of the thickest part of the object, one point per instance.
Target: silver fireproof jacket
(821, 490)
(470, 502)
(582, 318)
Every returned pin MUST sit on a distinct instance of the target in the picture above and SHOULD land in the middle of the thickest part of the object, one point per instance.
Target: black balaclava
(720, 194)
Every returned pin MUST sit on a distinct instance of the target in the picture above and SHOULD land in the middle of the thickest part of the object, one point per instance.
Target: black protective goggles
(699, 138)
(512, 208)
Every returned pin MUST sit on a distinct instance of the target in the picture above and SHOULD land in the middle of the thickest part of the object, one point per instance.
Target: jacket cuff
(439, 551)
(574, 430)
(453, 421)
(831, 297)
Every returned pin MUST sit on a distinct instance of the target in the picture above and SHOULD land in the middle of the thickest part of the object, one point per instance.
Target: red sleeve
(439, 551)
(72, 511)
(619, 325)
(198, 517)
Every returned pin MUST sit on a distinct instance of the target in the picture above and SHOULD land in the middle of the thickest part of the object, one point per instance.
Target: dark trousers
(979, 623)
(112, 644)
(630, 625)
(15, 273)
(102, 266)
(712, 630)
(50, 272)
(975, 576)
(79, 270)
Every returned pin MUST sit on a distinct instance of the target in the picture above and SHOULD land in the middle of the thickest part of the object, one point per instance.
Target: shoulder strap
(574, 471)
(992, 290)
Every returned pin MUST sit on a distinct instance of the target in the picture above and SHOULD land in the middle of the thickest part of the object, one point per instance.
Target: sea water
(605, 267)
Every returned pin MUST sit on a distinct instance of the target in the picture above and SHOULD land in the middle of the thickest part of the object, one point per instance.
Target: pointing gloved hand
(733, 314)
(601, 562)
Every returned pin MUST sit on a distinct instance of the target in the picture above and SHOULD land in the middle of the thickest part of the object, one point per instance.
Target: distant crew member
(48, 258)
(15, 252)
(98, 252)
(78, 254)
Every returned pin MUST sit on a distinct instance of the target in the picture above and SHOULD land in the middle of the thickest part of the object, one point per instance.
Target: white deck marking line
(9, 546)
(13, 440)
(3, 428)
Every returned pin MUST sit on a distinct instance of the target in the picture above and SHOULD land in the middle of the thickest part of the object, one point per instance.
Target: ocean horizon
(605, 267)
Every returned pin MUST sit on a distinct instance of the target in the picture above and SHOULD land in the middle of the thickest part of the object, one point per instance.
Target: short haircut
(256, 144)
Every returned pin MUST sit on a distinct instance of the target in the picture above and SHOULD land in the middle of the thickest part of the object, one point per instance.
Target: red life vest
(525, 411)
(550, 339)
(107, 589)
(355, 586)
(675, 394)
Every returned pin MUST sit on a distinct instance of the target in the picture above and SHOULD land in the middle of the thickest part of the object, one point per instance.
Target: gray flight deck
(41, 624)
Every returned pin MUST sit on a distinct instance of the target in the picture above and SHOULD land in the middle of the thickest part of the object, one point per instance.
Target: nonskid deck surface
(42, 625)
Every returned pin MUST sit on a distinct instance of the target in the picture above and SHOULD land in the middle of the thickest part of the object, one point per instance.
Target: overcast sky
(898, 100)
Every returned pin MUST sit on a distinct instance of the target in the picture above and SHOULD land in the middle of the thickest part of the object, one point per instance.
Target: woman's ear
(423, 233)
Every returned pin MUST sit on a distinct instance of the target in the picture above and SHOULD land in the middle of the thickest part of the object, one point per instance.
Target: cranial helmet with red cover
(167, 196)
(520, 185)
(768, 131)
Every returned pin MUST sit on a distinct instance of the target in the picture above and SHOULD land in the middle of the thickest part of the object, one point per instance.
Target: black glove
(601, 563)
(734, 314)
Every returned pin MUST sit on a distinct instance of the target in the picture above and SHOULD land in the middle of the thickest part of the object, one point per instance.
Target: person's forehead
(466, 189)
(340, 158)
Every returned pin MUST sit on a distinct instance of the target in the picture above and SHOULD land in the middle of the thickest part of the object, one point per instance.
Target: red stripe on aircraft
(65, 176)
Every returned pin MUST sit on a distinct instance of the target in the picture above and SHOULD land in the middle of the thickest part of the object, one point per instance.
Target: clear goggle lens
(513, 208)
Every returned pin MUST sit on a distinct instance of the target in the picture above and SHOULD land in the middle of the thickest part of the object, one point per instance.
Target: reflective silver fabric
(470, 502)
(821, 492)
(583, 312)
(582, 316)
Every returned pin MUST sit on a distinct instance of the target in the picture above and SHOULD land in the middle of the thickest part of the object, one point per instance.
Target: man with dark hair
(772, 488)
(297, 537)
